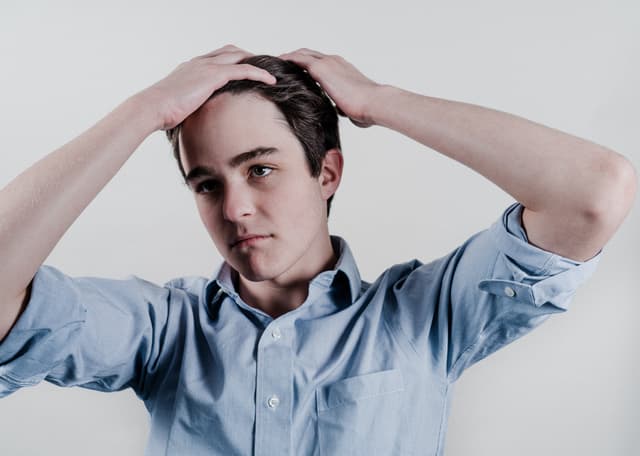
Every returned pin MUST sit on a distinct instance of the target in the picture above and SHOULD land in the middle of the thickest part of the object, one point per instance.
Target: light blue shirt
(358, 369)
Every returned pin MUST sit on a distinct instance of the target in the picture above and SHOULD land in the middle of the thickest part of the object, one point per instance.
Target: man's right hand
(187, 87)
(39, 205)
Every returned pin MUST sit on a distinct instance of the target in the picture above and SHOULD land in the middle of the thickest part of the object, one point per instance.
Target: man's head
(264, 161)
(307, 109)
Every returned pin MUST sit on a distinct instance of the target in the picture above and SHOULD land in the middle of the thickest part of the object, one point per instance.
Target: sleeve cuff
(530, 273)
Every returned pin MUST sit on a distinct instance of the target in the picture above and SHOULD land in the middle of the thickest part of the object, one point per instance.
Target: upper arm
(12, 310)
(492, 305)
(485, 294)
(577, 237)
(84, 331)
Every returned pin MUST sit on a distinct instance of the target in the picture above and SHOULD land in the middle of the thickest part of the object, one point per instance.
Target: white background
(568, 388)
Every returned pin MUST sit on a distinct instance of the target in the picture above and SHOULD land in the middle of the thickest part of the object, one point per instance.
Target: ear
(331, 173)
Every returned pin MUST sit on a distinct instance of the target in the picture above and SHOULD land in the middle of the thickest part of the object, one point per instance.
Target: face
(252, 185)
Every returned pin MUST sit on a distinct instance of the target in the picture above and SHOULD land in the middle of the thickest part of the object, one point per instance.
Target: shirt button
(509, 292)
(273, 401)
(276, 334)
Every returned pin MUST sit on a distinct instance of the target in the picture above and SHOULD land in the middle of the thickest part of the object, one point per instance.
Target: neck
(289, 290)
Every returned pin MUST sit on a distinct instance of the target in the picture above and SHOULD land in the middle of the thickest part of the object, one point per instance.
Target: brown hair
(311, 115)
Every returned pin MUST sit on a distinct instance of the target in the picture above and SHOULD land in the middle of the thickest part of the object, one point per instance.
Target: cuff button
(509, 292)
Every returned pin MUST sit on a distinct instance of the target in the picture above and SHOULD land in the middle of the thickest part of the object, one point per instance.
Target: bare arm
(39, 205)
(576, 193)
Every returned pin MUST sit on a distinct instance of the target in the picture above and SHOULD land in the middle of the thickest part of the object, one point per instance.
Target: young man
(285, 350)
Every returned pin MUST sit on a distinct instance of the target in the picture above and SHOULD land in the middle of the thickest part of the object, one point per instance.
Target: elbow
(615, 195)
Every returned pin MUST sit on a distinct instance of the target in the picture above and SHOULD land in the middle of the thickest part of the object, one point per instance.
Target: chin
(262, 265)
(256, 273)
(254, 276)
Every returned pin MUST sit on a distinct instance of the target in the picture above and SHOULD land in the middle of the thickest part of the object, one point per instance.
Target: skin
(271, 195)
(38, 206)
(573, 217)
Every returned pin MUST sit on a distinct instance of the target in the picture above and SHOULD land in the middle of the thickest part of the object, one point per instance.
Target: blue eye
(261, 171)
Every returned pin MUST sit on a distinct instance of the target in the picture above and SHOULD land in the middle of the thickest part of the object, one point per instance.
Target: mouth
(250, 239)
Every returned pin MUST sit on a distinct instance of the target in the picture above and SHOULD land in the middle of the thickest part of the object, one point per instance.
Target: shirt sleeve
(488, 292)
(97, 333)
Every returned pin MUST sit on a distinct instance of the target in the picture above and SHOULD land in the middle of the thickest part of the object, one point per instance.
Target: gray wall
(568, 388)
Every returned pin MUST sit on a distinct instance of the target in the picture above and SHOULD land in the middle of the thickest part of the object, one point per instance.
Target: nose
(237, 203)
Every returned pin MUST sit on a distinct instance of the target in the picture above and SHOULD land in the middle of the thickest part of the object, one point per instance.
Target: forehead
(231, 124)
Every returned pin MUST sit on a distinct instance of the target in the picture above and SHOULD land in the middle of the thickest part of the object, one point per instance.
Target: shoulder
(395, 277)
(190, 288)
(191, 284)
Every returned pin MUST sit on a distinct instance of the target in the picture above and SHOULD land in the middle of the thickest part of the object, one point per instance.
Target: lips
(248, 238)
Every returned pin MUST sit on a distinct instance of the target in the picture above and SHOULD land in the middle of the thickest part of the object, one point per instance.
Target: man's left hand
(350, 90)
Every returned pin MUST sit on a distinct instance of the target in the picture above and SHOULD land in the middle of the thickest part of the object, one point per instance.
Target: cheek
(300, 199)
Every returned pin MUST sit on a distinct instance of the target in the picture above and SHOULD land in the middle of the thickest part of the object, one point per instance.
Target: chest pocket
(363, 415)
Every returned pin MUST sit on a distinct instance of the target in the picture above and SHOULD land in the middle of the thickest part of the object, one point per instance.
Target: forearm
(39, 205)
(543, 168)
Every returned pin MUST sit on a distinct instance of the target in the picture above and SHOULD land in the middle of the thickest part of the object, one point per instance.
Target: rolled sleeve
(92, 332)
(486, 293)
(528, 273)
(494, 304)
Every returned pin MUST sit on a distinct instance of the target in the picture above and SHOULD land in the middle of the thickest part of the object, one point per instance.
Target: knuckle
(245, 69)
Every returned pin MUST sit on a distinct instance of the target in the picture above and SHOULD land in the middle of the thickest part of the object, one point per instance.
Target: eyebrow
(260, 151)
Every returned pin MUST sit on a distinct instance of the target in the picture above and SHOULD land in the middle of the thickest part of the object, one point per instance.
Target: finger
(296, 55)
(359, 124)
(229, 57)
(222, 50)
(246, 71)
(226, 48)
(310, 52)
(303, 60)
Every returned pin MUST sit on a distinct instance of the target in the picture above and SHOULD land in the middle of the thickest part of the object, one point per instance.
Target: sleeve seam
(482, 335)
(397, 337)
(490, 273)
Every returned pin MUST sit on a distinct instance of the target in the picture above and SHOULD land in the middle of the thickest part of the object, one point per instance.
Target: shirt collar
(346, 264)
(345, 269)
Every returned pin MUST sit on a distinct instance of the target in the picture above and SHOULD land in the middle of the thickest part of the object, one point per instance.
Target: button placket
(274, 387)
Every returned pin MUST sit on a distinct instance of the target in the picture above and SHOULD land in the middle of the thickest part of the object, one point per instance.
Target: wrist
(142, 108)
(377, 109)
